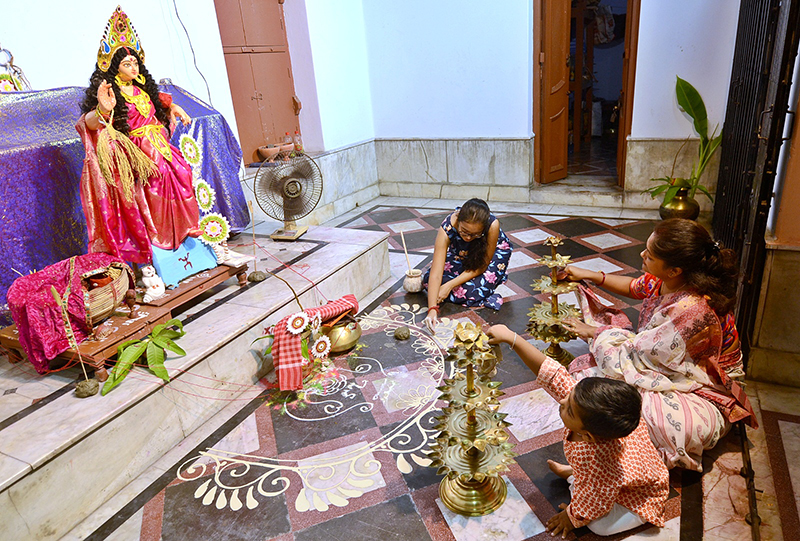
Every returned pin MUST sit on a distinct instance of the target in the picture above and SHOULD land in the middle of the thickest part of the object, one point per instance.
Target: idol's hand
(106, 100)
(178, 114)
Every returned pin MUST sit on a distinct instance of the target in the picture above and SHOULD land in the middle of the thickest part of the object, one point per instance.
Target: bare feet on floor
(562, 470)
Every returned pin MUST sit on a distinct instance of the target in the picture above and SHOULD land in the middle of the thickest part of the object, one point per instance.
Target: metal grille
(746, 96)
(766, 45)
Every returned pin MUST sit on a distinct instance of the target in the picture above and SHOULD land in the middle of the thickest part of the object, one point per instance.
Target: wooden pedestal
(123, 326)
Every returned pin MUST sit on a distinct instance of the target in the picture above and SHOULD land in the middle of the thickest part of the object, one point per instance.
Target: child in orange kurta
(617, 478)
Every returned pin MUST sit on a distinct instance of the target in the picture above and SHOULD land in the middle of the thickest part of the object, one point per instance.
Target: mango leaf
(124, 363)
(657, 190)
(705, 191)
(122, 346)
(304, 348)
(170, 333)
(166, 343)
(155, 360)
(690, 101)
(176, 323)
(671, 192)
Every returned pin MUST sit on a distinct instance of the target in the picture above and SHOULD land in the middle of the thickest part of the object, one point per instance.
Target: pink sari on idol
(163, 208)
(688, 401)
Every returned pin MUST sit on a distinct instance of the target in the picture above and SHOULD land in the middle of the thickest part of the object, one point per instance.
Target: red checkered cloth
(286, 349)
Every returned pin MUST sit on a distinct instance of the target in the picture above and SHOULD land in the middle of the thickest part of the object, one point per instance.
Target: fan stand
(290, 231)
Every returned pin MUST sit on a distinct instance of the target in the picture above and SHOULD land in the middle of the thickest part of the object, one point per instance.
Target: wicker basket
(102, 301)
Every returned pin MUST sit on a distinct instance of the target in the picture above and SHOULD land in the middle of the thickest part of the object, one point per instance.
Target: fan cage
(288, 187)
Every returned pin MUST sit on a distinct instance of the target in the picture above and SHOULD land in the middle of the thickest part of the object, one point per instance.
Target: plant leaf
(166, 343)
(122, 346)
(671, 193)
(657, 190)
(124, 363)
(155, 360)
(304, 348)
(690, 101)
(705, 192)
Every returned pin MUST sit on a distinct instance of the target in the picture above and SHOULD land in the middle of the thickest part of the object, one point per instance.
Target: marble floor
(346, 459)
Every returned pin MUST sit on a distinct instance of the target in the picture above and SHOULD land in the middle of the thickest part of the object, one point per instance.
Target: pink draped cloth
(163, 209)
(37, 315)
(688, 401)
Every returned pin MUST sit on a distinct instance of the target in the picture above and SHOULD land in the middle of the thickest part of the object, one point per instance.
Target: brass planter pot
(680, 206)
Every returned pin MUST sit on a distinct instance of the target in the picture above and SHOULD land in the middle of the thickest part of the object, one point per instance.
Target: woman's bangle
(514, 342)
(601, 282)
(434, 307)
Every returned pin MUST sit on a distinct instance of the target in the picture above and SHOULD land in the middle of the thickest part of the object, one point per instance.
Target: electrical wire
(194, 57)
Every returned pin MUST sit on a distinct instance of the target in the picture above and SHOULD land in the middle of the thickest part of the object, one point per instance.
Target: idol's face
(128, 68)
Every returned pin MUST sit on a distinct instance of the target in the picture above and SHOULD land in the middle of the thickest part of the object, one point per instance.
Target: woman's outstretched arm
(621, 285)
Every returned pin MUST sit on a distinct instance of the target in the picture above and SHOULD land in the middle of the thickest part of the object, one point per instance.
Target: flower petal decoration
(321, 347)
(190, 150)
(215, 228)
(206, 196)
(316, 323)
(297, 323)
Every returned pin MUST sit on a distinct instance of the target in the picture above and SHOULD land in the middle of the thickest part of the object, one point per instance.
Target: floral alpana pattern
(238, 481)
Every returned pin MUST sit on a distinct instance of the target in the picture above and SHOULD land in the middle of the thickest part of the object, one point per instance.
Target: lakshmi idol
(136, 188)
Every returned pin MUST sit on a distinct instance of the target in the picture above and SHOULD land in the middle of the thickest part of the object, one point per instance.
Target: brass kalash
(472, 449)
(546, 319)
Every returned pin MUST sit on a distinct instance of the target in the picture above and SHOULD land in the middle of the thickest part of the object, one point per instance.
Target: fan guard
(287, 188)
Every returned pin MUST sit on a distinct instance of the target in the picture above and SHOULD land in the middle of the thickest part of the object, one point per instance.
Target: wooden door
(554, 90)
(259, 71)
(626, 95)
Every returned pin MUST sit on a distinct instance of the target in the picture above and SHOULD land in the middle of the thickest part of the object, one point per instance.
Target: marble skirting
(62, 457)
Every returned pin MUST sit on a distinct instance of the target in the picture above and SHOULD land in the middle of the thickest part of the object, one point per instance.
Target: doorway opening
(597, 45)
(582, 119)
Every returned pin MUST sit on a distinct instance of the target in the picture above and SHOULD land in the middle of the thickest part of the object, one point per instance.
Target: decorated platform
(96, 446)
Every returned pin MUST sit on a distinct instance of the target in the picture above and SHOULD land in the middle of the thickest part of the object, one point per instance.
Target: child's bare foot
(562, 470)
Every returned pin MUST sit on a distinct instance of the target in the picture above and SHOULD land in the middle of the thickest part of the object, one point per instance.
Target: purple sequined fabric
(41, 158)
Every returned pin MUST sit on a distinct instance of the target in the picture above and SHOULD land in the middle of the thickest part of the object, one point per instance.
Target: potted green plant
(679, 192)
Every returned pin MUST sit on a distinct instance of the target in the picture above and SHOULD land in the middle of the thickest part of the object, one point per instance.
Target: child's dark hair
(475, 211)
(608, 408)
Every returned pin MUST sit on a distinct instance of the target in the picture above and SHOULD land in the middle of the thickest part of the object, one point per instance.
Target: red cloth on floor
(286, 349)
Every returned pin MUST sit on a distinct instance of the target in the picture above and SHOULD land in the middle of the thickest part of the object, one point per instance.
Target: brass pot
(344, 334)
(680, 206)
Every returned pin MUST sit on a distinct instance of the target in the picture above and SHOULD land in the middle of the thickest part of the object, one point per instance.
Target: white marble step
(579, 191)
(66, 458)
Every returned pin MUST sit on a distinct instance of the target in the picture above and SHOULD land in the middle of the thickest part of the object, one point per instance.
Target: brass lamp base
(559, 354)
(473, 498)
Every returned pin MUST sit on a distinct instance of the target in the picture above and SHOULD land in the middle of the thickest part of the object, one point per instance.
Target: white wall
(694, 40)
(329, 64)
(68, 56)
(450, 68)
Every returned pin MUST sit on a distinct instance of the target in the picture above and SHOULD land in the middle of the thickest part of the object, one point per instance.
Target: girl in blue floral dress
(470, 259)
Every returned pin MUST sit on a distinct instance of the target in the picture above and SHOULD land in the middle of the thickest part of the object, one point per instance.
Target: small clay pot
(288, 147)
(413, 281)
(268, 152)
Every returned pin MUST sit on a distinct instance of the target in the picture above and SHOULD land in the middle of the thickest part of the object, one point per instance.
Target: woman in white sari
(686, 348)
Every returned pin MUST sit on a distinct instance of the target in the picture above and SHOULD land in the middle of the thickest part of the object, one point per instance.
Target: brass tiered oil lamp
(546, 318)
(472, 448)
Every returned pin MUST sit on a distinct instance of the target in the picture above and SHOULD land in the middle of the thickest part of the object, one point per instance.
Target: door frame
(628, 85)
